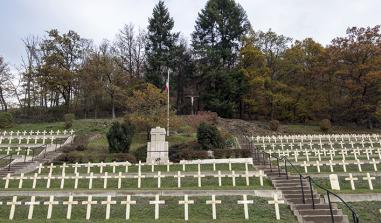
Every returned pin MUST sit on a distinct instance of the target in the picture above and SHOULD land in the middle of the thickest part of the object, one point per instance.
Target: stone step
(306, 200)
(309, 206)
(325, 218)
(291, 196)
(305, 212)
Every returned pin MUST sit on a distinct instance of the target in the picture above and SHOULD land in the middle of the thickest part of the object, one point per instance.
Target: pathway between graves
(302, 205)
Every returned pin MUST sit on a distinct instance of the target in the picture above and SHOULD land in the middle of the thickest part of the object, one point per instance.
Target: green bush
(141, 153)
(6, 120)
(209, 137)
(69, 119)
(119, 137)
(274, 125)
(325, 125)
(188, 154)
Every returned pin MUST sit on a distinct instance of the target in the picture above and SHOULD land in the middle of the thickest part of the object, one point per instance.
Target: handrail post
(285, 166)
(312, 194)
(263, 157)
(277, 161)
(330, 207)
(10, 160)
(301, 185)
(32, 154)
(271, 169)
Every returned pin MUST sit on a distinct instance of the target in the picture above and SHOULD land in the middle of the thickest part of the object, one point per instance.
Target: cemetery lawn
(361, 186)
(171, 211)
(367, 210)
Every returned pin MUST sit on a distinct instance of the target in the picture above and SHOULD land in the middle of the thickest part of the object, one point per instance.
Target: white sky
(101, 19)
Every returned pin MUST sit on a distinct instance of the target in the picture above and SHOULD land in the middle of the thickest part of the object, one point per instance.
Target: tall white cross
(199, 176)
(305, 165)
(178, 176)
(31, 204)
(233, 176)
(344, 164)
(128, 202)
(7, 179)
(91, 177)
(352, 180)
(213, 202)
(105, 178)
(156, 202)
(276, 202)
(245, 204)
(48, 179)
(50, 204)
(261, 175)
(108, 204)
(369, 179)
(330, 164)
(119, 177)
(358, 162)
(159, 176)
(13, 204)
(219, 175)
(186, 202)
(69, 204)
(88, 204)
(76, 178)
(247, 176)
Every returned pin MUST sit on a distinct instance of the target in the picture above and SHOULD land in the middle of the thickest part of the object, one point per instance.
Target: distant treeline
(234, 70)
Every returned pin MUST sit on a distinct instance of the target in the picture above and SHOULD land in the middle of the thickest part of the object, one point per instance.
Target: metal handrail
(355, 215)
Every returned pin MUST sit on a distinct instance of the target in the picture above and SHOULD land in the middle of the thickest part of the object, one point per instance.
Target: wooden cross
(186, 202)
(245, 204)
(69, 204)
(156, 202)
(31, 204)
(276, 202)
(128, 202)
(213, 202)
(108, 204)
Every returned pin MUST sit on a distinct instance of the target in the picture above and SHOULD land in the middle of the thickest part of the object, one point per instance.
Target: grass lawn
(368, 210)
(171, 211)
(361, 186)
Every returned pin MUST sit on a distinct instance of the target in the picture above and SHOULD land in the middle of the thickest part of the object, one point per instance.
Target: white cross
(50, 204)
(91, 177)
(318, 165)
(13, 207)
(330, 164)
(276, 202)
(21, 178)
(369, 179)
(69, 204)
(199, 176)
(101, 165)
(139, 176)
(51, 167)
(105, 178)
(245, 204)
(358, 162)
(213, 202)
(374, 164)
(35, 178)
(62, 177)
(156, 202)
(76, 166)
(219, 175)
(108, 204)
(119, 177)
(31, 204)
(76, 178)
(152, 166)
(233, 176)
(168, 166)
(48, 179)
(247, 176)
(305, 165)
(178, 176)
(261, 175)
(128, 202)
(352, 179)
(63, 167)
(186, 202)
(114, 165)
(344, 164)
(89, 165)
(159, 176)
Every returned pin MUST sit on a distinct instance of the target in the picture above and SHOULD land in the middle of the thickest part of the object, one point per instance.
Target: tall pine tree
(219, 29)
(160, 45)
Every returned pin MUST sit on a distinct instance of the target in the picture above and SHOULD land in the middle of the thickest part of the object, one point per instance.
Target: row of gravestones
(343, 163)
(29, 140)
(114, 165)
(311, 146)
(310, 138)
(335, 184)
(331, 154)
(128, 202)
(247, 175)
(36, 133)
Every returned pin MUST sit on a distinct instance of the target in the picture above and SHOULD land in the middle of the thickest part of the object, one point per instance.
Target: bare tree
(5, 83)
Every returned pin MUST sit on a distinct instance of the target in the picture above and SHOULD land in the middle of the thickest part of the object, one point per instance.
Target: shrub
(188, 154)
(6, 120)
(141, 153)
(209, 137)
(325, 125)
(119, 137)
(68, 119)
(120, 157)
(274, 125)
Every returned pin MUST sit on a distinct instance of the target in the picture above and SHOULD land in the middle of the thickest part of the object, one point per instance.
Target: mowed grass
(361, 186)
(171, 211)
(369, 211)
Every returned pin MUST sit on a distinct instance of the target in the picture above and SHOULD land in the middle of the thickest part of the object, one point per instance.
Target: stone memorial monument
(157, 149)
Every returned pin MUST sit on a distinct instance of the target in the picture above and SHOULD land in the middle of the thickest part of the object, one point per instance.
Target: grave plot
(154, 208)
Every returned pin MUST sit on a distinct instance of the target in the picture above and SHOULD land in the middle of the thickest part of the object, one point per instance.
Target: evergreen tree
(216, 41)
(160, 45)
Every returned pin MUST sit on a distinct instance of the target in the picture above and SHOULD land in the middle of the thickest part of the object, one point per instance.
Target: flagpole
(168, 104)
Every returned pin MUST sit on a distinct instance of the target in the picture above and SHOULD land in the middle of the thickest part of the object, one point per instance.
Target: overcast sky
(101, 19)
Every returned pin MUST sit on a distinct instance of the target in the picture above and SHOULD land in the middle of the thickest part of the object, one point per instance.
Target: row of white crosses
(342, 163)
(336, 185)
(128, 202)
(27, 140)
(247, 175)
(17, 151)
(36, 133)
(315, 137)
(114, 165)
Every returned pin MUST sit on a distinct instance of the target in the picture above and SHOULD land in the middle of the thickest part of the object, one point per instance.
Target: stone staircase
(291, 189)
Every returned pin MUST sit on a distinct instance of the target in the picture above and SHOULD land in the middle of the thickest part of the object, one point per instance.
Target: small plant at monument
(119, 137)
(69, 119)
(325, 125)
(6, 120)
(274, 125)
(209, 137)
